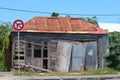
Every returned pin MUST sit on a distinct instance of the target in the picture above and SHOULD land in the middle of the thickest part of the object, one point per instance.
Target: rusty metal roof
(61, 25)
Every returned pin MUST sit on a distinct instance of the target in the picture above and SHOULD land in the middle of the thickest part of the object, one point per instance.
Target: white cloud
(111, 27)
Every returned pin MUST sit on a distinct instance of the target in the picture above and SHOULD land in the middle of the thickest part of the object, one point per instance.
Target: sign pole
(18, 25)
(19, 52)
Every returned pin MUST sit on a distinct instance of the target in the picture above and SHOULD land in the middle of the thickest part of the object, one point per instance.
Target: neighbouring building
(59, 44)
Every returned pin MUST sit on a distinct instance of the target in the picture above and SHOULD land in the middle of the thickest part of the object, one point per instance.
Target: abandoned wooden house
(59, 44)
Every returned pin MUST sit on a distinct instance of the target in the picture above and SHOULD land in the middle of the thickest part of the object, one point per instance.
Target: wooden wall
(52, 40)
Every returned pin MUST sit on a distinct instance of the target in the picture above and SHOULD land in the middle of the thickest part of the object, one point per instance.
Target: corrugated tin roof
(61, 25)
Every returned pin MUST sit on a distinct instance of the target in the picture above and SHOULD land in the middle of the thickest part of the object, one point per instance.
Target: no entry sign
(18, 25)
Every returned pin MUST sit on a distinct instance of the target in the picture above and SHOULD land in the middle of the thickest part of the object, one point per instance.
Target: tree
(113, 57)
(5, 29)
(92, 20)
(55, 14)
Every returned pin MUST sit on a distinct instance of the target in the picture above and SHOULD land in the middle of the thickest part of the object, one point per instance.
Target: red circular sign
(18, 24)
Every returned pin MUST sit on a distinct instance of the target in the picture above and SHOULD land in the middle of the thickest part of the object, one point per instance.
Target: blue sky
(61, 6)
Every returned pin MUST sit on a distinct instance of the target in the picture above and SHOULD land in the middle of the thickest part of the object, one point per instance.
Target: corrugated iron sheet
(63, 56)
(103, 49)
(78, 56)
(61, 25)
(91, 56)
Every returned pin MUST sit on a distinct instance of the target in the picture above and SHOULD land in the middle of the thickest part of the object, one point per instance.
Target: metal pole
(19, 52)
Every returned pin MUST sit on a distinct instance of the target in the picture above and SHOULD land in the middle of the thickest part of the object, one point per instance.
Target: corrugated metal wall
(63, 56)
(78, 56)
(103, 49)
(91, 56)
(75, 56)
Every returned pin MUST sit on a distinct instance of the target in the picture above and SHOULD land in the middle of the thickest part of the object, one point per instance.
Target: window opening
(37, 53)
(29, 53)
(45, 53)
(21, 57)
(45, 45)
(29, 50)
(15, 57)
(20, 52)
(29, 45)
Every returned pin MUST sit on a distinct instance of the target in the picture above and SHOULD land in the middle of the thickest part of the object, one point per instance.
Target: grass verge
(82, 73)
(100, 71)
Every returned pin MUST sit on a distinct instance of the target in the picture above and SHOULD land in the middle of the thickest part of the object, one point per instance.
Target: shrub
(113, 57)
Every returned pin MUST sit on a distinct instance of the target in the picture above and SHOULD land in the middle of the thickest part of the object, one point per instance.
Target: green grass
(64, 74)
(91, 72)
(82, 73)
(26, 73)
(100, 71)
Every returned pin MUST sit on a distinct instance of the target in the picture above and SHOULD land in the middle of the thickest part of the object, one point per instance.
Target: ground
(10, 76)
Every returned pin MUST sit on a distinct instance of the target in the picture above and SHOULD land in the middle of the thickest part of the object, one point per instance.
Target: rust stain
(59, 49)
(58, 61)
(83, 61)
(82, 68)
(61, 25)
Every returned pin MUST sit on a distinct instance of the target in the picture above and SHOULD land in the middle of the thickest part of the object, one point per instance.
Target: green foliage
(113, 57)
(92, 20)
(55, 14)
(5, 29)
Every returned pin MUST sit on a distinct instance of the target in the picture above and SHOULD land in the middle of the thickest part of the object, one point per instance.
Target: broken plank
(36, 68)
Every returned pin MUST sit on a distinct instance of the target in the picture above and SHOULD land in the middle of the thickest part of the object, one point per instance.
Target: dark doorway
(45, 63)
